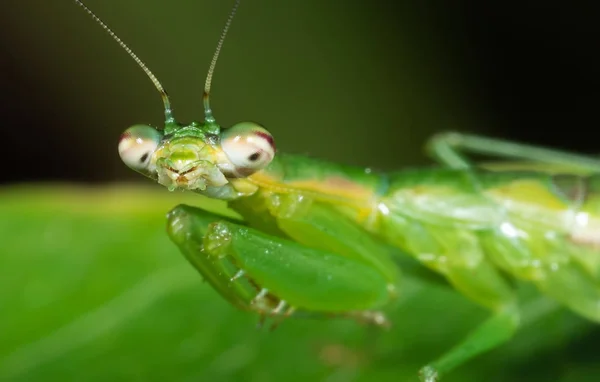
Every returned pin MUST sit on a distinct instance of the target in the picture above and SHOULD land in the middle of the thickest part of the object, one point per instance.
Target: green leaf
(91, 289)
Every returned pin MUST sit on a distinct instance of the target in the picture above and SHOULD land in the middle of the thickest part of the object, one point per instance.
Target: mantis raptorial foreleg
(275, 276)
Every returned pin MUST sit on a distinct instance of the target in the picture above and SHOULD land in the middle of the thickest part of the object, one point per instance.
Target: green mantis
(319, 239)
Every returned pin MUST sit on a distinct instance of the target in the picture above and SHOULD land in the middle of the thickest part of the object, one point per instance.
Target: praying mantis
(316, 237)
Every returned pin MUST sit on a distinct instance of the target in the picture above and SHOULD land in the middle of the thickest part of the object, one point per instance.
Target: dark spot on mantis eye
(144, 157)
(254, 157)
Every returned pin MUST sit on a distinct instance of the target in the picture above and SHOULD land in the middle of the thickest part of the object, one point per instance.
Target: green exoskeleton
(316, 236)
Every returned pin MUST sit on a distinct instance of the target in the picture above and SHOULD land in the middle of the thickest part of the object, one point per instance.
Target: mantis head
(197, 157)
(200, 156)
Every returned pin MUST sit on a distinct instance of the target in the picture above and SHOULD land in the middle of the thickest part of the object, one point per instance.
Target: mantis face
(192, 158)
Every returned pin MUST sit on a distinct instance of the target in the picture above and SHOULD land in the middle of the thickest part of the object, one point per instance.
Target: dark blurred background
(378, 76)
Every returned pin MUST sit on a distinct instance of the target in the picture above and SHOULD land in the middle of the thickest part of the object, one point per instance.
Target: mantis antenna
(163, 94)
(208, 117)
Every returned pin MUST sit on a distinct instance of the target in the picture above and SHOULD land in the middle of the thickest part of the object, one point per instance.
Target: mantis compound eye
(137, 144)
(248, 146)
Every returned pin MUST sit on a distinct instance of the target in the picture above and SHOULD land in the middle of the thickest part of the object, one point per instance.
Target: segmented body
(465, 224)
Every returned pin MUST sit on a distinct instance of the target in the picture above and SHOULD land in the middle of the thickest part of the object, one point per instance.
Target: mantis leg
(496, 330)
(448, 148)
(275, 276)
(481, 282)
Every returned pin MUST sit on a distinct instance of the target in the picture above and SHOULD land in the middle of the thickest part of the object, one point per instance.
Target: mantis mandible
(316, 236)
